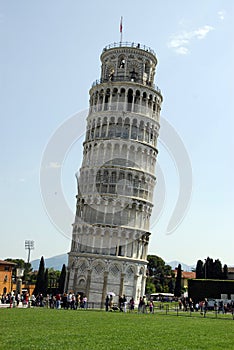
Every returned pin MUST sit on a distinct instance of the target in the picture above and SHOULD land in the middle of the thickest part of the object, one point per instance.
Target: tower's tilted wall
(117, 177)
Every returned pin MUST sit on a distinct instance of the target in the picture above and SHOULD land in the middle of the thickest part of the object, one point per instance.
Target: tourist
(107, 302)
(69, 300)
(125, 303)
(140, 305)
(85, 302)
(132, 304)
(58, 301)
(120, 303)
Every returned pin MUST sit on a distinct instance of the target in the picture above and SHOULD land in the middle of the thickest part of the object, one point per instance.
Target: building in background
(185, 276)
(6, 268)
(117, 177)
(230, 274)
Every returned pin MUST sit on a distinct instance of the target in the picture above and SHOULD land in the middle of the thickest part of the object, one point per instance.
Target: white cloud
(221, 15)
(202, 32)
(182, 50)
(180, 42)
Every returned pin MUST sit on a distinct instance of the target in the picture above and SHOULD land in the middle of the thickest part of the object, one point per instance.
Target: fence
(175, 310)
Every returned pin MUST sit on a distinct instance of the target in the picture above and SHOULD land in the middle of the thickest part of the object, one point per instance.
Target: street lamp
(19, 275)
(29, 245)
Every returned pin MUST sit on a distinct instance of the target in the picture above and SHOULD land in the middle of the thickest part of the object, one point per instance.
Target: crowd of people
(124, 305)
(76, 301)
(65, 300)
(187, 304)
(12, 298)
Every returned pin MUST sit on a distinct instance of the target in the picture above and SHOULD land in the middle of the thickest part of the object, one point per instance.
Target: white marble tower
(117, 177)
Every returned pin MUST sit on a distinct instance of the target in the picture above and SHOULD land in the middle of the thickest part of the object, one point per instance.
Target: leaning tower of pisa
(117, 177)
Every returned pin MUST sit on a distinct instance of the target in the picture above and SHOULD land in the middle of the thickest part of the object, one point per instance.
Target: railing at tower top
(122, 78)
(129, 44)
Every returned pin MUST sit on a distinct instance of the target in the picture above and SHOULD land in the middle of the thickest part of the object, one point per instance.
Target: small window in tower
(147, 67)
(122, 63)
(111, 74)
(126, 131)
(112, 189)
(121, 176)
(98, 176)
(130, 99)
(133, 75)
(120, 251)
(105, 176)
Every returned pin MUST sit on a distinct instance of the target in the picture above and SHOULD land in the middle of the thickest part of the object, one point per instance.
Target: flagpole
(121, 29)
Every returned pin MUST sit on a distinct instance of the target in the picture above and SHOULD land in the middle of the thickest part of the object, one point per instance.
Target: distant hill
(174, 264)
(55, 262)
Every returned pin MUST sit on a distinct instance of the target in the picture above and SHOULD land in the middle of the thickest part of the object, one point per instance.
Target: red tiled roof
(186, 274)
(4, 262)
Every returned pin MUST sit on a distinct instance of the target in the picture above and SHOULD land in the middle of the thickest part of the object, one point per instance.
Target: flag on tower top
(121, 25)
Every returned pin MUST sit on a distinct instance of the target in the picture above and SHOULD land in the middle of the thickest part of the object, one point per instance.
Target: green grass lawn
(41, 328)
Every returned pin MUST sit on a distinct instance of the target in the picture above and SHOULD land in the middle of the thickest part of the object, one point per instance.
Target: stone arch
(111, 129)
(134, 129)
(130, 271)
(121, 61)
(147, 70)
(107, 99)
(101, 99)
(144, 102)
(116, 152)
(126, 128)
(115, 269)
(150, 102)
(110, 71)
(114, 98)
(119, 126)
(147, 133)
(98, 128)
(83, 265)
(141, 131)
(109, 153)
(121, 99)
(104, 127)
(137, 101)
(98, 266)
(129, 99)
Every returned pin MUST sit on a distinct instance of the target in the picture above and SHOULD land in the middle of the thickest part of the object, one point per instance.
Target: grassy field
(41, 328)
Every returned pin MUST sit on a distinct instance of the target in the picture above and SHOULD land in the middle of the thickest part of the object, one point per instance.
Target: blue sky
(50, 57)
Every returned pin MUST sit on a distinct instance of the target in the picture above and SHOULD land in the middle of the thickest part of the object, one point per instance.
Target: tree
(209, 268)
(225, 272)
(159, 274)
(20, 263)
(62, 278)
(150, 286)
(46, 281)
(177, 291)
(171, 285)
(199, 270)
(155, 265)
(40, 282)
(217, 270)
